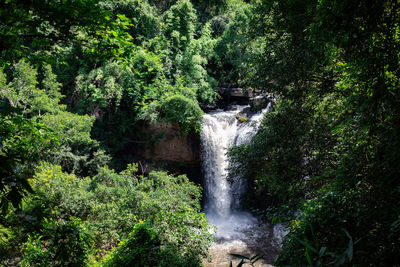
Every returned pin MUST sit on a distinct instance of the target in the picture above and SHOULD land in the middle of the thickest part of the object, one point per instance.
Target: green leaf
(308, 256)
(349, 250)
(306, 245)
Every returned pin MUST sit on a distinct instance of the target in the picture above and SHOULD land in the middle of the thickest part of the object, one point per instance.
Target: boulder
(259, 102)
(244, 115)
(237, 92)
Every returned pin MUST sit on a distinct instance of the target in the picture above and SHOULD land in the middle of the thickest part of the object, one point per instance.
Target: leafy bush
(340, 228)
(144, 17)
(64, 244)
(77, 152)
(35, 254)
(175, 215)
(143, 248)
(25, 91)
(24, 143)
(183, 110)
(110, 205)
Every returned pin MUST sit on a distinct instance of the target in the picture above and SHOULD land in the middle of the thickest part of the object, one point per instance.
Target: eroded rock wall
(172, 144)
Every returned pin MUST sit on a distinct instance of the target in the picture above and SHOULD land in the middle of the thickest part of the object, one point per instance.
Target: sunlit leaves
(23, 143)
(111, 204)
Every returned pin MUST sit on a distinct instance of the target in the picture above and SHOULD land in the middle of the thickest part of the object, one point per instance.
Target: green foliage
(23, 91)
(121, 95)
(35, 28)
(321, 225)
(23, 143)
(183, 110)
(139, 249)
(121, 86)
(109, 206)
(61, 195)
(176, 216)
(34, 253)
(195, 67)
(284, 157)
(205, 8)
(143, 248)
(101, 88)
(144, 17)
(77, 151)
(64, 244)
(208, 9)
(187, 56)
(328, 150)
(40, 100)
(235, 49)
(180, 22)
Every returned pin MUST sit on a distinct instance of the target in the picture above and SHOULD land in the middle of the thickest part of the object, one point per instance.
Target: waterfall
(221, 130)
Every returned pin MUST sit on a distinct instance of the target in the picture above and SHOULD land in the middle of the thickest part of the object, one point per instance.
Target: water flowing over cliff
(222, 130)
(237, 231)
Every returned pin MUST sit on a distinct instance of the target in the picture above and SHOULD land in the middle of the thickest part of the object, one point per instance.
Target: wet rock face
(172, 145)
(235, 96)
(238, 92)
(260, 102)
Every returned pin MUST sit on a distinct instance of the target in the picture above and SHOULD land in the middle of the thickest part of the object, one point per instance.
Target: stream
(238, 231)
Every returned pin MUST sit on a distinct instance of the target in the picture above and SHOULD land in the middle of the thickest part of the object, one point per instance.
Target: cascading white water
(221, 130)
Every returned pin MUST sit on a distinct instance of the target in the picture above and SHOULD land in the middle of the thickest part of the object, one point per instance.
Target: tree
(24, 92)
(335, 65)
(113, 209)
(33, 27)
(23, 143)
(145, 18)
(77, 152)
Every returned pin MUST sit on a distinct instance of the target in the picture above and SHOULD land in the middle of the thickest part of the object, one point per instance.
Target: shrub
(77, 152)
(183, 110)
(110, 205)
(64, 244)
(143, 247)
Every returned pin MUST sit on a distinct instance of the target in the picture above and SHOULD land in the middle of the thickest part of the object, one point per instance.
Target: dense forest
(81, 80)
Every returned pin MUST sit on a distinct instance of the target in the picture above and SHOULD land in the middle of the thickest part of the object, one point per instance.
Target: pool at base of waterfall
(244, 235)
(247, 240)
(220, 255)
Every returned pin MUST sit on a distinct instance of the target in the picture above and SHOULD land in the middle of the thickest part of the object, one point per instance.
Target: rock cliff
(172, 145)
